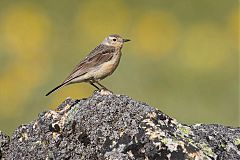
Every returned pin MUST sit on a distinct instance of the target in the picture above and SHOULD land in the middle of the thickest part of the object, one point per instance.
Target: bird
(100, 63)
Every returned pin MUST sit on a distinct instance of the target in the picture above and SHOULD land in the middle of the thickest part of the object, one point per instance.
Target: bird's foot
(105, 91)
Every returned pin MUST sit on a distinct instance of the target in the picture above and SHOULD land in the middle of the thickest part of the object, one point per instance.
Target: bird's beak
(126, 40)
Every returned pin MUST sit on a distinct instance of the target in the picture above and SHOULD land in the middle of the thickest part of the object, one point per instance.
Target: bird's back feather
(99, 55)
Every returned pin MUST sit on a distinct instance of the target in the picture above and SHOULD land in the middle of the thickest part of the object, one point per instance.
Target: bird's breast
(107, 68)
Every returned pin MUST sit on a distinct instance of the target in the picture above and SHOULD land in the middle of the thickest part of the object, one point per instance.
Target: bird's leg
(94, 85)
(101, 85)
(104, 90)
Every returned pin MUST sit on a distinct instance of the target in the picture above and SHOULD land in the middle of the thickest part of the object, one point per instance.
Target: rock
(117, 127)
(224, 141)
(4, 145)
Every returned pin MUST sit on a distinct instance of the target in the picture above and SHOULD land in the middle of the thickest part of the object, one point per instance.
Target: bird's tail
(66, 82)
(56, 88)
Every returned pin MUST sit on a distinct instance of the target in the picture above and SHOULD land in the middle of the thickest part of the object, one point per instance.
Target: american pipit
(100, 63)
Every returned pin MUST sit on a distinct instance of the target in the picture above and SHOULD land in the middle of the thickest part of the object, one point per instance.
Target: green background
(183, 57)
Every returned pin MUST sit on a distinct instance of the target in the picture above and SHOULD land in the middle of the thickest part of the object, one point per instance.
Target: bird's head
(114, 40)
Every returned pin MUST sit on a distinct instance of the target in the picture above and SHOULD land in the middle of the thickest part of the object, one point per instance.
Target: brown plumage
(100, 63)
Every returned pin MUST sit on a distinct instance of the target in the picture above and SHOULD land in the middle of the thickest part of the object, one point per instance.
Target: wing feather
(99, 55)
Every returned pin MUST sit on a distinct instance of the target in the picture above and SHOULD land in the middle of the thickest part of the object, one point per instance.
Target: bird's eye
(114, 39)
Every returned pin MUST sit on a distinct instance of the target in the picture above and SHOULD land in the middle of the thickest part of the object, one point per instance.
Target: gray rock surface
(4, 145)
(117, 127)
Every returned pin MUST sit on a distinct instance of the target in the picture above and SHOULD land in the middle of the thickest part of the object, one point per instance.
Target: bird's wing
(99, 55)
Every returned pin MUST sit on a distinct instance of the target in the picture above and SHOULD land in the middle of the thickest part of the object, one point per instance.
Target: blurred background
(183, 57)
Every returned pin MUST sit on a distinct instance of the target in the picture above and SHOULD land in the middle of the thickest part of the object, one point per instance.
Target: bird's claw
(104, 91)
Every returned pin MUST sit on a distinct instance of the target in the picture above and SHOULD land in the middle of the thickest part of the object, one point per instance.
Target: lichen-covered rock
(224, 141)
(4, 145)
(118, 127)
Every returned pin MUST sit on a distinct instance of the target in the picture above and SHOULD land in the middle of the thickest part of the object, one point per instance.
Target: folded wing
(98, 56)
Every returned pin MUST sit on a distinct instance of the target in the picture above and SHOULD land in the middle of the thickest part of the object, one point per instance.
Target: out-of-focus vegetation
(183, 57)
